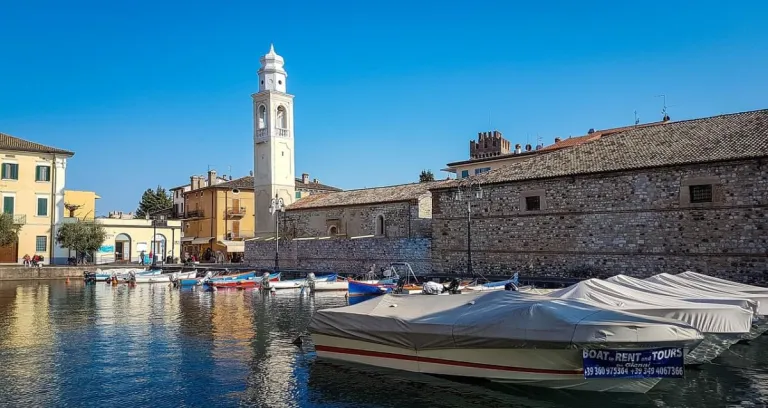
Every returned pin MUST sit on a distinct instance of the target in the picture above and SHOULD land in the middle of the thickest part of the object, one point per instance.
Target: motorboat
(244, 280)
(726, 284)
(760, 321)
(368, 288)
(674, 282)
(331, 284)
(294, 283)
(162, 277)
(124, 275)
(500, 285)
(722, 325)
(505, 337)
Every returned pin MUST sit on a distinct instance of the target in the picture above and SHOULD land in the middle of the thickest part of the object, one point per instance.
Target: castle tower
(273, 154)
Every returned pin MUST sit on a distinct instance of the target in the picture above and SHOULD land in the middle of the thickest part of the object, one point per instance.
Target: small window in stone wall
(701, 193)
(533, 203)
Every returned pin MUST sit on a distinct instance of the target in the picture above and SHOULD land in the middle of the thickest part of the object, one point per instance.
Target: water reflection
(152, 345)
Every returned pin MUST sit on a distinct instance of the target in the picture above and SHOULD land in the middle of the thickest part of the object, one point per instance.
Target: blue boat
(357, 288)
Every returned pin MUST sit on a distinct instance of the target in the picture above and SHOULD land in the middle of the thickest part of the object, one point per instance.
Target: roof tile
(403, 192)
(8, 142)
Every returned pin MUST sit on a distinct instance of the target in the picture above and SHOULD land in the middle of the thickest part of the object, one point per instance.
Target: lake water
(71, 345)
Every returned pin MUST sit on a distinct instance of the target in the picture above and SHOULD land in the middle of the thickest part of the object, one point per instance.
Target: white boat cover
(707, 318)
(676, 282)
(496, 319)
(687, 294)
(432, 288)
(730, 285)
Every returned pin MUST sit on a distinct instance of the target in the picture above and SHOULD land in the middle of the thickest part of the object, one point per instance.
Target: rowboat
(501, 285)
(162, 278)
(248, 280)
(295, 283)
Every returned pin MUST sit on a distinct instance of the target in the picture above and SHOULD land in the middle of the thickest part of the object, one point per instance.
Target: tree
(83, 236)
(153, 200)
(9, 231)
(425, 176)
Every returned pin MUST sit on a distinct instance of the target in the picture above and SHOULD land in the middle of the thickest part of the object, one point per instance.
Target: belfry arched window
(282, 118)
(262, 117)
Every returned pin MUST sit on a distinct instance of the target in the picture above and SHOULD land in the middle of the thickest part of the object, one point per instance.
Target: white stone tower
(273, 161)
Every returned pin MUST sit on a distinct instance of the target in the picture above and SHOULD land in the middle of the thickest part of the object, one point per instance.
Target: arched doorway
(122, 248)
(158, 247)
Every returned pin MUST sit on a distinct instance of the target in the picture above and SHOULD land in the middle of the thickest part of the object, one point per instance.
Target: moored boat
(504, 337)
(332, 284)
(721, 325)
(359, 288)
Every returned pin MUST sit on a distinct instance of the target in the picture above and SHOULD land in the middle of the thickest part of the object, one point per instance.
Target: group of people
(33, 261)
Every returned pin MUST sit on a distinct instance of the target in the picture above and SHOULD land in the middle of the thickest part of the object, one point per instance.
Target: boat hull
(236, 284)
(368, 289)
(288, 284)
(324, 286)
(550, 368)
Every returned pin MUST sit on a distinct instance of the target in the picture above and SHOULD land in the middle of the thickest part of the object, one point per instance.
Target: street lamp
(277, 206)
(470, 191)
(157, 220)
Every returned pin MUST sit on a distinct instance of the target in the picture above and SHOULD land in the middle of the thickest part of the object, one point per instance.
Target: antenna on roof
(664, 108)
(637, 118)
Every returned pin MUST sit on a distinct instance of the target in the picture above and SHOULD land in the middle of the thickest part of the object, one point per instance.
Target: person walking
(141, 258)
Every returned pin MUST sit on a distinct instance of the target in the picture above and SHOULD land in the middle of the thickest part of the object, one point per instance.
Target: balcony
(19, 219)
(195, 214)
(263, 135)
(236, 211)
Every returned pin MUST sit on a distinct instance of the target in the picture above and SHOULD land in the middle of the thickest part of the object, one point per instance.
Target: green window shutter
(38, 170)
(15, 171)
(42, 206)
(4, 175)
(8, 205)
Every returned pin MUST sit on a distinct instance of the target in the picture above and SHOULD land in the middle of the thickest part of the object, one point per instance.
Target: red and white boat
(504, 337)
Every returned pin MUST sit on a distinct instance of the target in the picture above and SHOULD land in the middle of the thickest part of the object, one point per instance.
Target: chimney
(250, 173)
(557, 140)
(212, 177)
(195, 182)
(315, 181)
(305, 178)
(528, 148)
(518, 149)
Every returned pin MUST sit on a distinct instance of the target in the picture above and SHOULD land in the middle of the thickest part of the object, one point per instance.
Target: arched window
(282, 118)
(262, 117)
(333, 231)
(380, 226)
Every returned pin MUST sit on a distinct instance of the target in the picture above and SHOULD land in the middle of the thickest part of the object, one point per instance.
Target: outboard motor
(453, 287)
(311, 281)
(265, 284)
(89, 277)
(510, 286)
(400, 285)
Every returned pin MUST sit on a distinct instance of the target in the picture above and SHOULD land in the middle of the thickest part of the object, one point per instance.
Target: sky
(147, 93)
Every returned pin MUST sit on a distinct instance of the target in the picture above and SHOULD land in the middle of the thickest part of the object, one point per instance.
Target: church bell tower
(273, 154)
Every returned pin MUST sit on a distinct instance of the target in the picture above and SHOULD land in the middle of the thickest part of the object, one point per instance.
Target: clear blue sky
(150, 93)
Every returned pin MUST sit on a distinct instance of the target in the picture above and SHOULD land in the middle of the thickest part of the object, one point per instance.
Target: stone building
(352, 230)
(657, 198)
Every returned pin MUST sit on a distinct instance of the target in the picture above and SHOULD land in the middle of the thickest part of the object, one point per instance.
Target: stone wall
(342, 255)
(638, 223)
(401, 220)
(45, 272)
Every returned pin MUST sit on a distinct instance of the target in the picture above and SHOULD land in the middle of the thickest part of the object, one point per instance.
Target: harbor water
(75, 345)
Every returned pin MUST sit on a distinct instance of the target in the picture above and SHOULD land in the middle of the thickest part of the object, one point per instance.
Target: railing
(262, 135)
(236, 211)
(195, 214)
(19, 219)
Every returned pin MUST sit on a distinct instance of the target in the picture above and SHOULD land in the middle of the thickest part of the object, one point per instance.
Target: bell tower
(273, 154)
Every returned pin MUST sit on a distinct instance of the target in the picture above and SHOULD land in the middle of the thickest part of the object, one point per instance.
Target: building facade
(219, 217)
(195, 182)
(688, 195)
(80, 204)
(32, 189)
(128, 238)
(273, 151)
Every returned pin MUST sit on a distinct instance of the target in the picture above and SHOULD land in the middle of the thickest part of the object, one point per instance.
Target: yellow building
(80, 204)
(127, 239)
(32, 188)
(219, 217)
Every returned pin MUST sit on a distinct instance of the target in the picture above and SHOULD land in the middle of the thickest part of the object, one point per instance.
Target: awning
(204, 240)
(187, 239)
(234, 246)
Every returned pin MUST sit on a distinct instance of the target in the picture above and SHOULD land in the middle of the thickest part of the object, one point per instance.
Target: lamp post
(157, 220)
(471, 190)
(277, 206)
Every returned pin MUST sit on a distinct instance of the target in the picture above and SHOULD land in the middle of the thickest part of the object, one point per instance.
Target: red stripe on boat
(419, 359)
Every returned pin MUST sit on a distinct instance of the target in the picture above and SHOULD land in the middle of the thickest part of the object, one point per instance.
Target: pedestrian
(141, 258)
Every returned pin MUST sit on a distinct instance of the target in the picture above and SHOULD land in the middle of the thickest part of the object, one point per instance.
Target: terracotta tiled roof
(314, 186)
(575, 141)
(403, 192)
(718, 138)
(8, 142)
(242, 183)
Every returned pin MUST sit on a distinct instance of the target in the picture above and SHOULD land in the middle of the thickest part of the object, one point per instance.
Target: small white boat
(502, 336)
(337, 283)
(163, 277)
